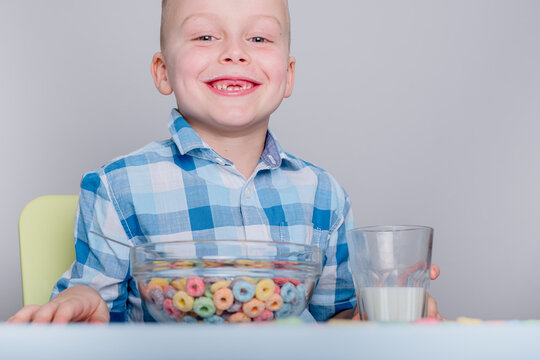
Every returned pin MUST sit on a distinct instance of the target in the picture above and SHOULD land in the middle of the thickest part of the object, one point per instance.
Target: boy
(222, 175)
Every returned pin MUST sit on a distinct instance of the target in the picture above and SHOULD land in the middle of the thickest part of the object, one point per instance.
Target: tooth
(244, 87)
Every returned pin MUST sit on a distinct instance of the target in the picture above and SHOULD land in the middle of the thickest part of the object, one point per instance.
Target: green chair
(46, 244)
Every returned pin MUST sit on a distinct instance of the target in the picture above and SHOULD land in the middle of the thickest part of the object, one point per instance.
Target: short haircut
(164, 5)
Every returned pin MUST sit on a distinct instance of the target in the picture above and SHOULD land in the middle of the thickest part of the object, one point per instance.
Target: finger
(45, 313)
(66, 312)
(101, 315)
(435, 272)
(24, 315)
(432, 311)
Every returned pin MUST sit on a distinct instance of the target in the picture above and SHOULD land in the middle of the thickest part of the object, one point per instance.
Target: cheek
(275, 68)
(187, 66)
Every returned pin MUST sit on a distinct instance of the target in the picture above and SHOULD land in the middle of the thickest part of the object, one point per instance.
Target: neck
(243, 148)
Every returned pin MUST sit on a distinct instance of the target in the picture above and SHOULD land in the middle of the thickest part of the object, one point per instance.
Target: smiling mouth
(232, 87)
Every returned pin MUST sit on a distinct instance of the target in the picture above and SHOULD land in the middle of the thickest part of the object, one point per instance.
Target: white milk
(393, 303)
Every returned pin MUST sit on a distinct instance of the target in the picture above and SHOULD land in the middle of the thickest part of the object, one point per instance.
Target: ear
(290, 76)
(159, 73)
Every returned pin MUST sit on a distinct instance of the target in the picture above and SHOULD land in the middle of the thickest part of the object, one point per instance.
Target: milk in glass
(393, 303)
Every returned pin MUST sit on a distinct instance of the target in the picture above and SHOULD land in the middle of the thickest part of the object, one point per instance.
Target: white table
(511, 340)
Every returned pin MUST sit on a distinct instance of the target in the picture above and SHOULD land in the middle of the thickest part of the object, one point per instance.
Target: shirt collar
(189, 142)
(183, 135)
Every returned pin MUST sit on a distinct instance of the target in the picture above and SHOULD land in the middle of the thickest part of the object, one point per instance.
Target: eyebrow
(195, 16)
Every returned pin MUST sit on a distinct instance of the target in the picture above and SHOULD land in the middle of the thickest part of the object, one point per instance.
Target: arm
(334, 293)
(94, 288)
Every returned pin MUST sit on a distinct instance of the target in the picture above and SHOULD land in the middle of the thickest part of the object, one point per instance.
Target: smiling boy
(222, 175)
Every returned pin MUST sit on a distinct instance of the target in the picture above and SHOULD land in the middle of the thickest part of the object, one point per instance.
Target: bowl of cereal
(225, 281)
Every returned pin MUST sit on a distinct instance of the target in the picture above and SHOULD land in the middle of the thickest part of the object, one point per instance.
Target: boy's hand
(432, 310)
(75, 304)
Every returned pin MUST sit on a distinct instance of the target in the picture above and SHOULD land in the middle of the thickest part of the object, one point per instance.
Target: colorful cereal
(204, 307)
(243, 290)
(223, 299)
(288, 292)
(195, 286)
(264, 289)
(253, 308)
(182, 301)
(274, 303)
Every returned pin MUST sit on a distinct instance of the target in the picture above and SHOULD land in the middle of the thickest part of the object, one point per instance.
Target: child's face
(227, 61)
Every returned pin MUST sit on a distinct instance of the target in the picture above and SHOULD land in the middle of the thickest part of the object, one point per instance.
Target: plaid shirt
(181, 189)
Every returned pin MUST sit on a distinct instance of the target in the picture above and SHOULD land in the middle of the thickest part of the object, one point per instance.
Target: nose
(234, 53)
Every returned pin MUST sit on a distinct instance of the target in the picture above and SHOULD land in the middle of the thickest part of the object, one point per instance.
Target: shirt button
(248, 192)
(220, 161)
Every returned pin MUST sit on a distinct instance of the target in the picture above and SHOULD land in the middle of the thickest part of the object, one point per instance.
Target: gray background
(426, 111)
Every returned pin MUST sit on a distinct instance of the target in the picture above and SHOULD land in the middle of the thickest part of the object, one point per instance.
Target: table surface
(503, 340)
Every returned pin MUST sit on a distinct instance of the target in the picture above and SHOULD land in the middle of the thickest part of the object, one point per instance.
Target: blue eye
(258, 39)
(206, 38)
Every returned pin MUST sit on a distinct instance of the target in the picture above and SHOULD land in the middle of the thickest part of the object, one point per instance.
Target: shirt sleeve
(100, 264)
(334, 291)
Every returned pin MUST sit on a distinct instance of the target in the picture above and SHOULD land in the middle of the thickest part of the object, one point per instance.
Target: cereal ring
(243, 291)
(302, 290)
(156, 297)
(182, 301)
(170, 293)
(288, 292)
(214, 319)
(284, 312)
(266, 315)
(161, 282)
(170, 310)
(189, 319)
(218, 285)
(179, 284)
(237, 305)
(277, 290)
(274, 302)
(253, 308)
(282, 280)
(223, 298)
(204, 307)
(195, 286)
(264, 289)
(239, 317)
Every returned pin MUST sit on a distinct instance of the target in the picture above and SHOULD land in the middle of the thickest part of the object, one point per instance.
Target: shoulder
(118, 169)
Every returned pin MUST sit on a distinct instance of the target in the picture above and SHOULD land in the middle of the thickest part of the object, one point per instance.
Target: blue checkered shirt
(181, 189)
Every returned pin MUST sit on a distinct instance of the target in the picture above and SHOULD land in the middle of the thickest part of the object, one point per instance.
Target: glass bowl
(222, 281)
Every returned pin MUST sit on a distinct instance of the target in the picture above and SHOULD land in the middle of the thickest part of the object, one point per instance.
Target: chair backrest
(46, 244)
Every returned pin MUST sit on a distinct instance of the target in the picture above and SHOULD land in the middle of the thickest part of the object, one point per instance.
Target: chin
(238, 121)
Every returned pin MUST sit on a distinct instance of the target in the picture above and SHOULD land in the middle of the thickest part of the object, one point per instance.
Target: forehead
(180, 12)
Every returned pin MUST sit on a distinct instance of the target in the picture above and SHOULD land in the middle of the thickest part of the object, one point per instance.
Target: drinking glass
(391, 271)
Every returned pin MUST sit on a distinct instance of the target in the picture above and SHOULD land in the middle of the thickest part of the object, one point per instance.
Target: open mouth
(232, 87)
